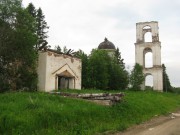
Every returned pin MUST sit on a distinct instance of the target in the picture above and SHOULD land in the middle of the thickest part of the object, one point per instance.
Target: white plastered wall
(50, 64)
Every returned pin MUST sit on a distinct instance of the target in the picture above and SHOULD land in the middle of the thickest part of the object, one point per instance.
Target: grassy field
(41, 113)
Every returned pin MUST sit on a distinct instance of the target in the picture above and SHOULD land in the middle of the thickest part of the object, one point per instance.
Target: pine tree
(32, 10)
(119, 77)
(41, 27)
(41, 30)
(118, 58)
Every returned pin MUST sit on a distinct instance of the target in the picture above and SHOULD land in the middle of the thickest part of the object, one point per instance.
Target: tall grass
(42, 113)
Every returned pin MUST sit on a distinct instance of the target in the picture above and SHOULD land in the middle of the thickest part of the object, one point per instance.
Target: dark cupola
(106, 45)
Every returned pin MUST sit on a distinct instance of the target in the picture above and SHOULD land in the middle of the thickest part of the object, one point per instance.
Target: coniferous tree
(32, 10)
(41, 27)
(166, 82)
(41, 30)
(119, 77)
(118, 58)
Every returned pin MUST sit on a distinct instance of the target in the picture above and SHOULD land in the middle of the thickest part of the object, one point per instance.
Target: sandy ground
(163, 125)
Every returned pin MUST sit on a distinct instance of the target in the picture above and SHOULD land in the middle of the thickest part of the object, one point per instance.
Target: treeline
(101, 71)
(22, 34)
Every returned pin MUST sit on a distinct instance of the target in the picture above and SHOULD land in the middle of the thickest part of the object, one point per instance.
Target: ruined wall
(142, 47)
(140, 31)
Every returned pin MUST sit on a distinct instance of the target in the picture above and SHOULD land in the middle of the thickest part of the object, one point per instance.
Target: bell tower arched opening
(148, 58)
(148, 37)
(149, 82)
(147, 34)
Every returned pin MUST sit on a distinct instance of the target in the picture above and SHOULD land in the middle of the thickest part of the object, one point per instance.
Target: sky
(83, 24)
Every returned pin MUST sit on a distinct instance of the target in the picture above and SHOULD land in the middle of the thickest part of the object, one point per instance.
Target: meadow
(36, 113)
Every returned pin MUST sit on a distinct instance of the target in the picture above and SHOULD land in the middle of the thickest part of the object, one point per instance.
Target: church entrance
(65, 80)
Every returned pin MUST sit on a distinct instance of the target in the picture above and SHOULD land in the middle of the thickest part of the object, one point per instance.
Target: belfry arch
(148, 62)
(154, 46)
(148, 37)
(149, 81)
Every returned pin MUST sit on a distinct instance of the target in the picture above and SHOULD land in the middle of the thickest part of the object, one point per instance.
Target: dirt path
(164, 125)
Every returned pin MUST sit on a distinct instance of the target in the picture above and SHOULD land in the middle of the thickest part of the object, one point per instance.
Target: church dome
(106, 45)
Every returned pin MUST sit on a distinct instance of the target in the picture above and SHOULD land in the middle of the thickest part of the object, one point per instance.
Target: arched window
(148, 58)
(147, 34)
(148, 37)
(149, 82)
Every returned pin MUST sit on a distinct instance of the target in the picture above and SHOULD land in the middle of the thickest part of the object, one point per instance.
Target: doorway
(65, 82)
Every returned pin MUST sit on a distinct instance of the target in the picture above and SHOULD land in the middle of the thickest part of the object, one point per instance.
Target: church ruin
(154, 46)
(58, 71)
(61, 71)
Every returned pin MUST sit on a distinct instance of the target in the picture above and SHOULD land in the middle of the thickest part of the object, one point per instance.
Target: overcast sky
(83, 24)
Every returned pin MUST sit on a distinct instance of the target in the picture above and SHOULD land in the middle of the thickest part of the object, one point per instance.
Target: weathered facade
(142, 47)
(58, 71)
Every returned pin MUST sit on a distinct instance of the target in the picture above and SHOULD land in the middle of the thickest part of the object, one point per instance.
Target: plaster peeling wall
(142, 47)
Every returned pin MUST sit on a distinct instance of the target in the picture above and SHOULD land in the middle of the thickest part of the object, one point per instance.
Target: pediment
(65, 71)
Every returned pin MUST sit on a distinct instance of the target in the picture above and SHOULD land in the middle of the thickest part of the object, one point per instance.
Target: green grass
(41, 113)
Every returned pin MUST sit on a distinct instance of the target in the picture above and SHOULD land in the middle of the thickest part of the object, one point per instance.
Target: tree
(99, 62)
(17, 56)
(118, 58)
(119, 77)
(166, 82)
(84, 58)
(32, 10)
(41, 30)
(8, 10)
(136, 77)
(101, 71)
(66, 51)
(58, 48)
